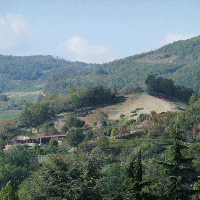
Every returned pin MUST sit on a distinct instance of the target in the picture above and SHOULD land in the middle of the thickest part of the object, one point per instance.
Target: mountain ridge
(178, 61)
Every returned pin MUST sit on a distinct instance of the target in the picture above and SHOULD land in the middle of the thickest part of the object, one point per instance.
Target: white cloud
(82, 50)
(15, 34)
(175, 37)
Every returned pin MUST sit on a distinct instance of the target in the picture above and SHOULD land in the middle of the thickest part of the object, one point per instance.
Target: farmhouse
(41, 140)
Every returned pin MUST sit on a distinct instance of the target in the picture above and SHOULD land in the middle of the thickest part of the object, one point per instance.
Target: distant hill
(179, 61)
(18, 72)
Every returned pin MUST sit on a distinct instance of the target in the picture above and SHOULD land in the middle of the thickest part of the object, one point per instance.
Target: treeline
(95, 174)
(178, 61)
(155, 163)
(18, 72)
(167, 87)
(35, 114)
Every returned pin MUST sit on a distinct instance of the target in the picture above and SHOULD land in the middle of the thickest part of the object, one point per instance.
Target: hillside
(142, 103)
(19, 72)
(179, 61)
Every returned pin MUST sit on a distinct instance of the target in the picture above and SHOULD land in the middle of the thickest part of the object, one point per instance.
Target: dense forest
(167, 87)
(178, 61)
(18, 72)
(107, 161)
(153, 156)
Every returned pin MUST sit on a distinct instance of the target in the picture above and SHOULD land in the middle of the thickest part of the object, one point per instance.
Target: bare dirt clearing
(143, 101)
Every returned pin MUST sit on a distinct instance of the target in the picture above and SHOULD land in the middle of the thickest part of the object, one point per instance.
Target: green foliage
(179, 170)
(114, 132)
(19, 72)
(130, 122)
(195, 97)
(94, 123)
(114, 177)
(134, 184)
(142, 117)
(75, 136)
(53, 143)
(103, 142)
(8, 193)
(167, 87)
(37, 150)
(33, 115)
(153, 112)
(73, 122)
(89, 135)
(107, 131)
(49, 129)
(122, 116)
(16, 165)
(67, 178)
(4, 98)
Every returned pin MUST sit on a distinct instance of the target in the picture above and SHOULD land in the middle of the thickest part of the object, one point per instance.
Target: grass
(8, 115)
(32, 89)
(30, 98)
(114, 143)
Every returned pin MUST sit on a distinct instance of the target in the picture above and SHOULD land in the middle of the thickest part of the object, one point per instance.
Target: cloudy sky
(94, 31)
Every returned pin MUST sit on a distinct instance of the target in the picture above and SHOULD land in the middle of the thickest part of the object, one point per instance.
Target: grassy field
(32, 89)
(8, 115)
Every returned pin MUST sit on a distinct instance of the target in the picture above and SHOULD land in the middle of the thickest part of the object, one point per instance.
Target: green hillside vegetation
(178, 61)
(19, 72)
(167, 87)
(109, 161)
(153, 156)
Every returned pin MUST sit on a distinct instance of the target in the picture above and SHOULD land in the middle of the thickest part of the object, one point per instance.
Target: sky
(94, 31)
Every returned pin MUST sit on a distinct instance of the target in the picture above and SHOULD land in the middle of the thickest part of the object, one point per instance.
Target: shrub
(142, 117)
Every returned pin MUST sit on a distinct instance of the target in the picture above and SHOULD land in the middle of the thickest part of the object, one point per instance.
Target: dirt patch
(143, 101)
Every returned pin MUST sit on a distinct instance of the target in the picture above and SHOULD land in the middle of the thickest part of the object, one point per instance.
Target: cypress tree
(134, 183)
(180, 173)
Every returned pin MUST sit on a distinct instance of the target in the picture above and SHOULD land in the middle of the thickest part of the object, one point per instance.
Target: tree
(62, 177)
(75, 136)
(103, 142)
(89, 135)
(72, 121)
(134, 183)
(180, 172)
(8, 193)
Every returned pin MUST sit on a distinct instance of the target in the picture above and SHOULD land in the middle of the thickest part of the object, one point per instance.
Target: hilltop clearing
(143, 103)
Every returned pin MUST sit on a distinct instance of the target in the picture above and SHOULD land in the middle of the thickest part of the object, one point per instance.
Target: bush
(75, 136)
(114, 132)
(130, 122)
(142, 117)
(94, 123)
(107, 131)
(73, 122)
(153, 112)
(103, 142)
(122, 116)
(89, 135)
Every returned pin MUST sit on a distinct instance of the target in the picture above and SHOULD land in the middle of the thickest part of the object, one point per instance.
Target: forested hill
(17, 72)
(179, 61)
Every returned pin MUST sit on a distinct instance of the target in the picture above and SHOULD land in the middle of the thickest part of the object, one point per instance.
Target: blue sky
(94, 31)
